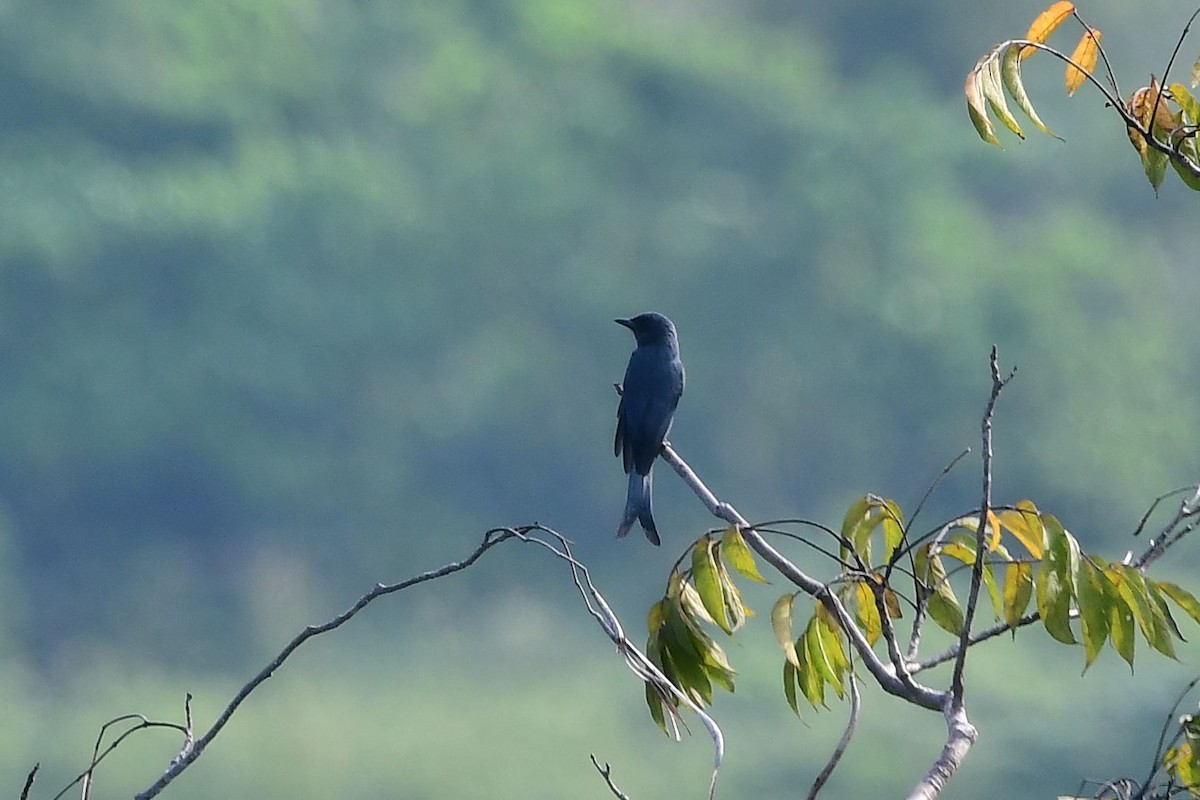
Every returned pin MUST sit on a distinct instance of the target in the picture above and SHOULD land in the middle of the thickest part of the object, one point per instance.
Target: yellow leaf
(1045, 24)
(1084, 57)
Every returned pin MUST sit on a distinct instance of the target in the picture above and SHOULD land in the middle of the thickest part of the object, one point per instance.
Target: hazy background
(300, 296)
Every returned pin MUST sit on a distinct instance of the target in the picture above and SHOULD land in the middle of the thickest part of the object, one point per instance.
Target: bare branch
(998, 384)
(193, 748)
(840, 750)
(606, 773)
(635, 659)
(987, 633)
(1175, 530)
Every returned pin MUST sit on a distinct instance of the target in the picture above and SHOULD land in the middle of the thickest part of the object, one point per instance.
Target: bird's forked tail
(638, 507)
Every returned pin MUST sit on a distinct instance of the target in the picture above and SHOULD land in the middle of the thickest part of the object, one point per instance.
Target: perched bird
(651, 391)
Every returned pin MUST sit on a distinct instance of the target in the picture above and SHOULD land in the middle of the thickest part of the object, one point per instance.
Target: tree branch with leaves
(1162, 122)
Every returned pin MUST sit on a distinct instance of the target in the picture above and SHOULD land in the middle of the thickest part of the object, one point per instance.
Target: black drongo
(649, 395)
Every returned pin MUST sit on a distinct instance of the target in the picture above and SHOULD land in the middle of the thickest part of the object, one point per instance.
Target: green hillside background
(300, 296)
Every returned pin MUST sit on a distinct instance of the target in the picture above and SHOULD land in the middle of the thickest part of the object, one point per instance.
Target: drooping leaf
(944, 610)
(1061, 547)
(1054, 584)
(739, 556)
(1045, 23)
(866, 612)
(1187, 103)
(976, 104)
(682, 652)
(1084, 57)
(1196, 73)
(1025, 523)
(962, 548)
(815, 646)
(808, 675)
(708, 583)
(1132, 589)
(1121, 628)
(1183, 599)
(892, 603)
(893, 529)
(1018, 589)
(1094, 611)
(831, 637)
(693, 606)
(1165, 617)
(790, 679)
(732, 597)
(781, 622)
(1010, 76)
(941, 604)
(993, 92)
(688, 673)
(656, 617)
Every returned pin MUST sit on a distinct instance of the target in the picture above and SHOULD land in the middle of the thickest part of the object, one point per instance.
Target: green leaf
(654, 700)
(815, 644)
(855, 517)
(962, 547)
(1187, 103)
(1054, 603)
(781, 622)
(1121, 624)
(1146, 611)
(790, 679)
(941, 604)
(1055, 581)
(835, 655)
(945, 611)
(1182, 598)
(708, 582)
(1010, 76)
(739, 556)
(1018, 589)
(812, 681)
(1165, 620)
(1094, 611)
(683, 653)
(893, 529)
(1154, 164)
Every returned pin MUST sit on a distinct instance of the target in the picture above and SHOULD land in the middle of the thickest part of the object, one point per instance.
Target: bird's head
(649, 328)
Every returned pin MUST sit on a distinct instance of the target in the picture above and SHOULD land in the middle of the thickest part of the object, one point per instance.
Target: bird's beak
(626, 322)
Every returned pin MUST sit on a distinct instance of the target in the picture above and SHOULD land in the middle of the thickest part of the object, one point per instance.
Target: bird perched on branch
(651, 391)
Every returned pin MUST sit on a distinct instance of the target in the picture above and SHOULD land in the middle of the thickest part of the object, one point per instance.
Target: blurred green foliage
(299, 296)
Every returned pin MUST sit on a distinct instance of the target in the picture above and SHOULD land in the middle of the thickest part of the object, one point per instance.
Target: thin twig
(29, 781)
(1156, 762)
(976, 638)
(1112, 78)
(187, 756)
(946, 470)
(606, 773)
(87, 776)
(964, 639)
(1171, 61)
(843, 743)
